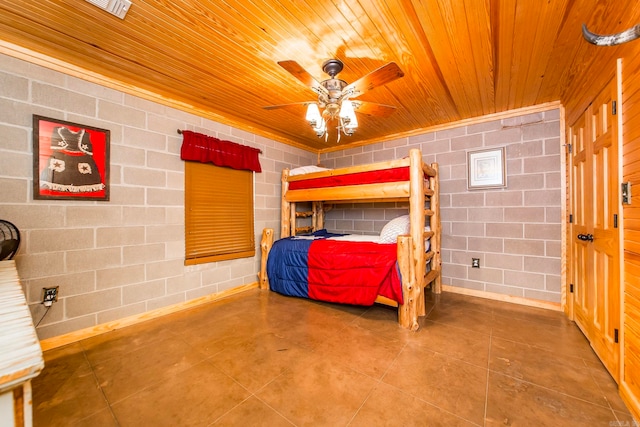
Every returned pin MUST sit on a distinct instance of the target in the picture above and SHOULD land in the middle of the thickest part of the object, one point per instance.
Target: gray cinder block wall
(123, 257)
(514, 231)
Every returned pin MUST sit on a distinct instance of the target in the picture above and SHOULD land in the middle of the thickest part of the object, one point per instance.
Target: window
(218, 213)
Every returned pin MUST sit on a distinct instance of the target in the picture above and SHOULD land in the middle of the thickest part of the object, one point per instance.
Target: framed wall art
(70, 160)
(486, 169)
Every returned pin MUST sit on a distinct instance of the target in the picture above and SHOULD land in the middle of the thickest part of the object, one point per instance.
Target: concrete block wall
(126, 256)
(514, 231)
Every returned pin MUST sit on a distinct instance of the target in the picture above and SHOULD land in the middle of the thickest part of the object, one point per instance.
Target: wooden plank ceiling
(461, 58)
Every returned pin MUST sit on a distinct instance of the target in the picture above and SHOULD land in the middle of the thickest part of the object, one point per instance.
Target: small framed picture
(486, 169)
(70, 160)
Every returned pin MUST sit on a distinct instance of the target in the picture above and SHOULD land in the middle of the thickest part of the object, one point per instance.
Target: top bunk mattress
(356, 178)
(384, 181)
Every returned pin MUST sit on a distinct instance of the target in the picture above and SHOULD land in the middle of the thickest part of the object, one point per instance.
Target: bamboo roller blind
(218, 213)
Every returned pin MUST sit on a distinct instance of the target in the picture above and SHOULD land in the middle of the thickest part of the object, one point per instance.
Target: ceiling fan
(334, 96)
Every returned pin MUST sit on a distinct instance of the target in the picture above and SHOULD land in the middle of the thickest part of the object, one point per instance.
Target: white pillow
(394, 228)
(427, 242)
(306, 169)
(399, 226)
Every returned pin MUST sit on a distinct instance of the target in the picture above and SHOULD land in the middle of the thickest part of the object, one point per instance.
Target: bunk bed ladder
(285, 208)
(265, 247)
(436, 229)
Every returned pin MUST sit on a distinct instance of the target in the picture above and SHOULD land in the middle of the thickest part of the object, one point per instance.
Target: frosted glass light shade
(313, 114)
(348, 114)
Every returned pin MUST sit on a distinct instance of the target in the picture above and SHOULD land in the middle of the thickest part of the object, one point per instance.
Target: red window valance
(207, 149)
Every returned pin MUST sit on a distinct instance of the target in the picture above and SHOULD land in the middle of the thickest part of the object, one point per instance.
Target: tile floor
(261, 359)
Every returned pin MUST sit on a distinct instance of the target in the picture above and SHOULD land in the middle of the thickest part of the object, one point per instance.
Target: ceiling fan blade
(293, 104)
(373, 109)
(383, 75)
(301, 74)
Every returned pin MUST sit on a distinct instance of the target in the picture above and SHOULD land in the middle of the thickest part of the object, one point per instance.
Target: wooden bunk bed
(405, 180)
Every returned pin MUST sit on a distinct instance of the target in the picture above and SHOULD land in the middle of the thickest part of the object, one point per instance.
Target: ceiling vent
(118, 8)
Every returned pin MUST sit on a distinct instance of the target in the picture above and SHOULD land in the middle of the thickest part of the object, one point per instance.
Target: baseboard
(630, 400)
(75, 336)
(505, 298)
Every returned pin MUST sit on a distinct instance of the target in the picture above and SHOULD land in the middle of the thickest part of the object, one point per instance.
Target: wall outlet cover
(49, 295)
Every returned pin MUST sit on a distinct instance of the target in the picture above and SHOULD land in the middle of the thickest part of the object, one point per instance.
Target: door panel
(606, 310)
(582, 213)
(595, 254)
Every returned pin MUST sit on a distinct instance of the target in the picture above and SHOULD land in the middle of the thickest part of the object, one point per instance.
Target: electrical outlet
(49, 296)
(475, 262)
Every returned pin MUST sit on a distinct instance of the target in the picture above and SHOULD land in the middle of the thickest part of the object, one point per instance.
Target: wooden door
(581, 199)
(595, 249)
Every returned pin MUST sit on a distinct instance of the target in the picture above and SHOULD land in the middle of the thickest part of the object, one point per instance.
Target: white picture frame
(486, 168)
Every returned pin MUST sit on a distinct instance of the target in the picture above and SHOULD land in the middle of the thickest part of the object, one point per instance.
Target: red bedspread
(359, 178)
(353, 272)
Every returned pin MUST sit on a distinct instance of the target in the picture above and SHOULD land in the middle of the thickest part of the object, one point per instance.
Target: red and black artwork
(71, 161)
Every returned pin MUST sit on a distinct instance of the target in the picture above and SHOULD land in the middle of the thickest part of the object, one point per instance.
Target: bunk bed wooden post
(265, 246)
(314, 216)
(318, 216)
(407, 314)
(436, 227)
(285, 207)
(416, 215)
(292, 219)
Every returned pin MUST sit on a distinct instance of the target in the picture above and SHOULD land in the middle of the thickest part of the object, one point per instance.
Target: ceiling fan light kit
(334, 95)
(348, 122)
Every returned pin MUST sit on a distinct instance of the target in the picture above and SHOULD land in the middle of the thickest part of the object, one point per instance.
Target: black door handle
(586, 237)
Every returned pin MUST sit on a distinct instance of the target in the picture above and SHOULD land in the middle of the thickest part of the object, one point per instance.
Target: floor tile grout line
(251, 393)
(454, 326)
(274, 410)
(537, 347)
(384, 374)
(528, 319)
(381, 381)
(607, 406)
(501, 314)
(104, 396)
(446, 355)
(364, 401)
(153, 383)
(83, 342)
(255, 394)
(231, 409)
(426, 402)
(378, 382)
(486, 392)
(613, 411)
(150, 384)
